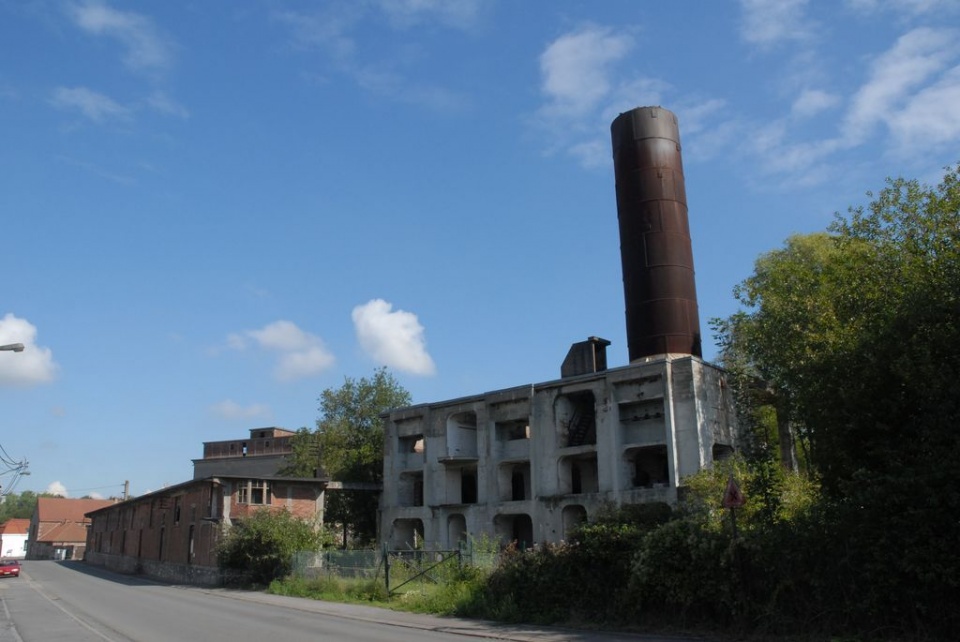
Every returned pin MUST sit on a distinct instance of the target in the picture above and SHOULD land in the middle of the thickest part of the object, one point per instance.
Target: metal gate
(405, 567)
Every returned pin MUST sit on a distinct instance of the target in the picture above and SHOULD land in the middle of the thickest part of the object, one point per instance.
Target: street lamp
(15, 347)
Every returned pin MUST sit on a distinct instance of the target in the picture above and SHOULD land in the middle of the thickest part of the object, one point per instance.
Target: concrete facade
(527, 464)
(172, 534)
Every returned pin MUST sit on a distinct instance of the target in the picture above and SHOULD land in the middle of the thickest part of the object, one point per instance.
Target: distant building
(172, 534)
(58, 528)
(13, 538)
(263, 453)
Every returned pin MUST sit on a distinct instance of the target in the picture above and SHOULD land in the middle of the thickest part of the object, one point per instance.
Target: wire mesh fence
(394, 567)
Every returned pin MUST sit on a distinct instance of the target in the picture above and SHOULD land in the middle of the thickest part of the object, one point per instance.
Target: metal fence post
(386, 567)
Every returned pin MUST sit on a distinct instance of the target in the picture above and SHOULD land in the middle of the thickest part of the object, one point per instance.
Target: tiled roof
(61, 509)
(15, 526)
(66, 532)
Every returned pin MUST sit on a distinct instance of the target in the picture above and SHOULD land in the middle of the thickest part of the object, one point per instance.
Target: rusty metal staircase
(583, 422)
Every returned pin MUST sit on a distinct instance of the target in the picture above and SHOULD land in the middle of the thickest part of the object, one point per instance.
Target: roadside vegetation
(844, 363)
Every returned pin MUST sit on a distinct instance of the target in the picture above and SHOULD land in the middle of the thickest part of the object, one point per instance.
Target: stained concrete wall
(507, 464)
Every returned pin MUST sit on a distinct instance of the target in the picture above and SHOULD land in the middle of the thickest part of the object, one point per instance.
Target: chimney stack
(655, 248)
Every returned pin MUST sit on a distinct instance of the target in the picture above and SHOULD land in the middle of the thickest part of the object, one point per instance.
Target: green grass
(447, 598)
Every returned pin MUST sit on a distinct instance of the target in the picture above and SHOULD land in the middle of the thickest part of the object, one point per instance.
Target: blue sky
(212, 211)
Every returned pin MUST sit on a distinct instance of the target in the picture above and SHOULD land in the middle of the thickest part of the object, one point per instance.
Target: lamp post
(14, 347)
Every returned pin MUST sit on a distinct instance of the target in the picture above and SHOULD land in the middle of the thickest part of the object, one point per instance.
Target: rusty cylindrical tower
(655, 248)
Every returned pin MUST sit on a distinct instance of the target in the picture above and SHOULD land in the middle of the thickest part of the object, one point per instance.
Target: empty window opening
(457, 530)
(513, 481)
(462, 435)
(577, 413)
(579, 475)
(407, 534)
(411, 444)
(411, 489)
(722, 452)
(468, 487)
(643, 422)
(516, 529)
(650, 467)
(573, 517)
(518, 486)
(513, 430)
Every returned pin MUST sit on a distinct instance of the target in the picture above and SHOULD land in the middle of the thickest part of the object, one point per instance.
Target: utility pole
(126, 490)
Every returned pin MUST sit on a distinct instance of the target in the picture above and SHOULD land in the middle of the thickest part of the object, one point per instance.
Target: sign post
(733, 499)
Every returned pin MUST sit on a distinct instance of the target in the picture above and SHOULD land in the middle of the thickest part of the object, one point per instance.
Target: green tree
(858, 329)
(347, 446)
(18, 505)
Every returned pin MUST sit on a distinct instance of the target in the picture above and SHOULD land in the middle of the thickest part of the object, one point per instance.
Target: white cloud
(576, 68)
(584, 90)
(930, 117)
(33, 366)
(145, 48)
(770, 22)
(906, 104)
(916, 56)
(300, 354)
(394, 339)
(229, 409)
(811, 102)
(57, 488)
(91, 104)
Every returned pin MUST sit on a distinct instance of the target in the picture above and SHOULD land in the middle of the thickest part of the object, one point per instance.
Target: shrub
(262, 546)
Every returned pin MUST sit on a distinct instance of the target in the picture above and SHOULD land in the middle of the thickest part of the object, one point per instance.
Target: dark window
(253, 491)
(516, 483)
(468, 487)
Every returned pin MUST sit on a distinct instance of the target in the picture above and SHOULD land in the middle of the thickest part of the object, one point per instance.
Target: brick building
(172, 534)
(58, 527)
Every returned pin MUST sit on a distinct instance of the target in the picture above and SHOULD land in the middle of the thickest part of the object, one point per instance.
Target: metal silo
(655, 248)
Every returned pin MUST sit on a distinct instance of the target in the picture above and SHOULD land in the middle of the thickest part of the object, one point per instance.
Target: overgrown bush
(261, 547)
(580, 581)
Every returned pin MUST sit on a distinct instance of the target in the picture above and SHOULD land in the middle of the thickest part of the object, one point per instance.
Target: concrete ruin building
(527, 464)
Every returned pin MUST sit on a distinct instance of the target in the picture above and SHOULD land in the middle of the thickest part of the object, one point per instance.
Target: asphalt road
(71, 602)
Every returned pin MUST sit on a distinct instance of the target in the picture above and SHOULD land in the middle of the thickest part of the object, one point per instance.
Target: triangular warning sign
(732, 496)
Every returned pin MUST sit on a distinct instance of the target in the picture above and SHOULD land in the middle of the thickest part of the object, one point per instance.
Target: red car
(9, 568)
